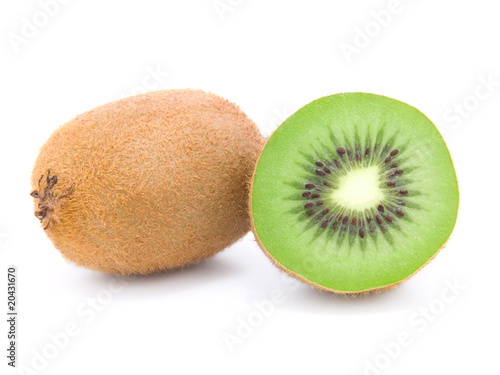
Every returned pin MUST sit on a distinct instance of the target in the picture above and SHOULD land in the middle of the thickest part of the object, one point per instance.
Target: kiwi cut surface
(353, 193)
(147, 183)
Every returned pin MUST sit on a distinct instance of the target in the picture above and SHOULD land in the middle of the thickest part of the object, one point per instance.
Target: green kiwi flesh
(354, 192)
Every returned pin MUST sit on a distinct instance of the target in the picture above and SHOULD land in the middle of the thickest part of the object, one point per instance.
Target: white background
(271, 58)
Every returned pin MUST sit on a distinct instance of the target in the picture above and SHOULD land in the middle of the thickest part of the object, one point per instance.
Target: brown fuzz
(141, 182)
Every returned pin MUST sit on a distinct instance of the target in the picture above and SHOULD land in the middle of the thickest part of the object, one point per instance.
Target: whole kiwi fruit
(354, 193)
(147, 183)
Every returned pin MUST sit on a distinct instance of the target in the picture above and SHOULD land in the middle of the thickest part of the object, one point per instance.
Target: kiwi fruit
(147, 183)
(354, 193)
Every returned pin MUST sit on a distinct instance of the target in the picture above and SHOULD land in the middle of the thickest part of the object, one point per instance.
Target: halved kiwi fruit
(147, 183)
(354, 193)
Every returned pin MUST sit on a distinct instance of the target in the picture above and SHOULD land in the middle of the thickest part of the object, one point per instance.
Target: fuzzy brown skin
(148, 183)
(309, 282)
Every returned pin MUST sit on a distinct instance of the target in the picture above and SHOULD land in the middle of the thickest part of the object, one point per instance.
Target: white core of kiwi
(359, 189)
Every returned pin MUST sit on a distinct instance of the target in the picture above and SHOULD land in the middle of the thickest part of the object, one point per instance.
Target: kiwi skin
(148, 183)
